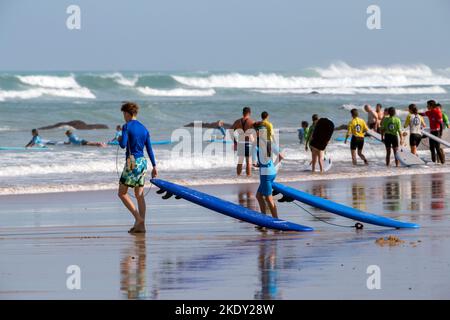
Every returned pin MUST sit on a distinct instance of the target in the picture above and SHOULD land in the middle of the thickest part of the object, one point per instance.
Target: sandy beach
(193, 253)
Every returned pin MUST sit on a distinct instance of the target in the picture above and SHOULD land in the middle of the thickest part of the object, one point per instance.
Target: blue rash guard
(135, 137)
(267, 172)
(73, 139)
(36, 140)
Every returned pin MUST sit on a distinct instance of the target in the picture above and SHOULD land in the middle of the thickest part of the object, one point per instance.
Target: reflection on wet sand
(359, 197)
(246, 197)
(415, 203)
(437, 196)
(133, 268)
(391, 195)
(268, 271)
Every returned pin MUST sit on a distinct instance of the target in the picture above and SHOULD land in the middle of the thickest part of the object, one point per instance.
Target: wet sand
(192, 253)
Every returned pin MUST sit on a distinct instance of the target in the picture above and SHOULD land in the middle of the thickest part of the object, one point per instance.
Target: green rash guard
(392, 125)
(308, 133)
(445, 119)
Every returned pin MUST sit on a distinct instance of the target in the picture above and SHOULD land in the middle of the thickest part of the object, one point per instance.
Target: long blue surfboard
(228, 208)
(116, 143)
(340, 209)
(24, 149)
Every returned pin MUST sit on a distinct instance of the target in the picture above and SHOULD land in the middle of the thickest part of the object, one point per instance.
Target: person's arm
(30, 144)
(124, 141)
(148, 145)
(408, 119)
(349, 131)
(424, 124)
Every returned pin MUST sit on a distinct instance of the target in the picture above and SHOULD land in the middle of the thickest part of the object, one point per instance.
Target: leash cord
(320, 219)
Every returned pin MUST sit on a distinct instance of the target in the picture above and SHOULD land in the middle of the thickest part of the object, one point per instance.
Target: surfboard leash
(357, 225)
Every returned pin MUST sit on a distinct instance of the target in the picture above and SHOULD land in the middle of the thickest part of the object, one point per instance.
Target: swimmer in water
(73, 139)
(117, 135)
(36, 141)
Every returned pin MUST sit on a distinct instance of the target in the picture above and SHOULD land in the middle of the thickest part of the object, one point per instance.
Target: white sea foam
(50, 81)
(351, 91)
(336, 77)
(121, 79)
(179, 92)
(83, 93)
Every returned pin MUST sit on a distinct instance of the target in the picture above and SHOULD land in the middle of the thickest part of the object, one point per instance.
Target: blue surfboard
(116, 143)
(228, 208)
(340, 209)
(24, 149)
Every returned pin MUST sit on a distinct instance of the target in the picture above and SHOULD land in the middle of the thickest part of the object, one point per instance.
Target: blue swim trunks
(265, 184)
(136, 177)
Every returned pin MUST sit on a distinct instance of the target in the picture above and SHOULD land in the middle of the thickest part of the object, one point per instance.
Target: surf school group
(254, 144)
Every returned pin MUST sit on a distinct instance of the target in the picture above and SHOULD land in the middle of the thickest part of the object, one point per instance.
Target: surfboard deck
(340, 209)
(322, 133)
(405, 157)
(228, 208)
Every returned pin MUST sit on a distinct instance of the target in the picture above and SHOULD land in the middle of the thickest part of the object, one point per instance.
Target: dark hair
(438, 105)
(130, 108)
(69, 132)
(305, 123)
(315, 117)
(391, 111)
(354, 112)
(431, 103)
(386, 110)
(264, 115)
(411, 106)
(413, 109)
(379, 104)
(34, 131)
(246, 111)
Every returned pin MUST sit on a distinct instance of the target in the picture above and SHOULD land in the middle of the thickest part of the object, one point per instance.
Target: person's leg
(313, 159)
(432, 149)
(239, 166)
(261, 202)
(413, 149)
(139, 193)
(388, 156)
(353, 151)
(272, 206)
(248, 166)
(395, 149)
(321, 156)
(123, 195)
(361, 155)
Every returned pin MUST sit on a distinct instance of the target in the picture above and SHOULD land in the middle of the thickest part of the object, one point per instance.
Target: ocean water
(169, 100)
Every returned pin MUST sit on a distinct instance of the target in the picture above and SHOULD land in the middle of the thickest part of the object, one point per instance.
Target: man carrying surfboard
(434, 115)
(134, 138)
(390, 131)
(243, 128)
(415, 123)
(357, 128)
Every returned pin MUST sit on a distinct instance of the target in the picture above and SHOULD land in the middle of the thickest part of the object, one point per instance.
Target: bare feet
(139, 227)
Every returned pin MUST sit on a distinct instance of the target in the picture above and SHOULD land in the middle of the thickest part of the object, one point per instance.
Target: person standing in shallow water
(134, 138)
(357, 128)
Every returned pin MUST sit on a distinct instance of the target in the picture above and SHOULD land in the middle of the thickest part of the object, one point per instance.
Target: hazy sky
(197, 35)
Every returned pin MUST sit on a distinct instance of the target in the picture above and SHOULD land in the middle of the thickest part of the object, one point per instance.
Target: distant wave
(122, 80)
(43, 85)
(376, 90)
(50, 81)
(336, 76)
(38, 92)
(178, 92)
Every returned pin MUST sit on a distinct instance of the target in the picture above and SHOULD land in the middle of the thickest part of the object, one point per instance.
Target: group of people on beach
(254, 140)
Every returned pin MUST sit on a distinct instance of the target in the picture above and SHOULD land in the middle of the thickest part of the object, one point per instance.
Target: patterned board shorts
(136, 177)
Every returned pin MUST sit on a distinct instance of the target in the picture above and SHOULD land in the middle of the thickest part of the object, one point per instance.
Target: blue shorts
(265, 184)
